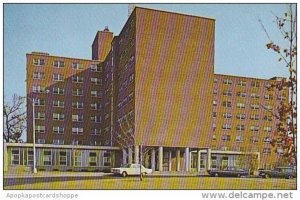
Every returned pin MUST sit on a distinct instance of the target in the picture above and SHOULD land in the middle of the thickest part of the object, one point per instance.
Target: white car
(131, 169)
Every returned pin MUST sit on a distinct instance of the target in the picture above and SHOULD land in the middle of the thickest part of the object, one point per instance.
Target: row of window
(243, 116)
(126, 83)
(61, 130)
(242, 128)
(228, 104)
(61, 64)
(240, 138)
(126, 100)
(255, 84)
(61, 91)
(252, 95)
(61, 104)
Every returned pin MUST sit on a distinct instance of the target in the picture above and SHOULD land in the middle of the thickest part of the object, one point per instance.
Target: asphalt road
(112, 182)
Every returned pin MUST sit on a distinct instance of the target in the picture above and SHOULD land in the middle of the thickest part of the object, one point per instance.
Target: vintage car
(278, 172)
(229, 172)
(131, 169)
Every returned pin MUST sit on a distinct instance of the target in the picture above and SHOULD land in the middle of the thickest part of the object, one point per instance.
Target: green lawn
(153, 183)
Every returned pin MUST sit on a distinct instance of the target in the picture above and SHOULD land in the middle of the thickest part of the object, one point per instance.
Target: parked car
(229, 172)
(131, 169)
(278, 172)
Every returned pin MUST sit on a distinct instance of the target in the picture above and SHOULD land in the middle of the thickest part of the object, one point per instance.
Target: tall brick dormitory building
(152, 85)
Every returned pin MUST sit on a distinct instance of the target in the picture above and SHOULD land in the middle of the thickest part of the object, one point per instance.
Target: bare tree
(14, 118)
(286, 133)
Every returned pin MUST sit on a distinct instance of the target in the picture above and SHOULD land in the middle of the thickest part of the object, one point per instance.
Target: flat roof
(236, 76)
(65, 57)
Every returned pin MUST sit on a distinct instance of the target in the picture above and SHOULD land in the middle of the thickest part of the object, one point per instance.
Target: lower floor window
(15, 156)
(47, 157)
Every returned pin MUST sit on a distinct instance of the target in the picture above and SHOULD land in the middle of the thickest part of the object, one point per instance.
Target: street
(150, 182)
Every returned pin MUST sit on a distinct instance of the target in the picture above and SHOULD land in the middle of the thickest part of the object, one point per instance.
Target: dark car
(278, 172)
(229, 172)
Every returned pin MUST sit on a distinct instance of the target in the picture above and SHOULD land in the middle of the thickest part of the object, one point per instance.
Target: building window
(77, 118)
(58, 77)
(15, 156)
(77, 157)
(96, 81)
(281, 97)
(95, 93)
(215, 91)
(29, 157)
(39, 129)
(255, 95)
(268, 118)
(267, 140)
(106, 116)
(96, 68)
(77, 105)
(131, 78)
(214, 103)
(77, 130)
(38, 89)
(76, 65)
(57, 90)
(214, 126)
(41, 141)
(239, 138)
(77, 79)
(227, 82)
(215, 80)
(255, 84)
(77, 92)
(95, 131)
(240, 105)
(58, 64)
(241, 94)
(225, 137)
(254, 128)
(58, 142)
(268, 107)
(58, 116)
(267, 129)
(39, 115)
(254, 117)
(63, 158)
(95, 106)
(226, 127)
(107, 158)
(39, 75)
(268, 97)
(47, 157)
(227, 93)
(96, 119)
(240, 127)
(227, 115)
(58, 129)
(59, 104)
(267, 151)
(241, 116)
(242, 83)
(92, 159)
(38, 62)
(226, 104)
(254, 106)
(39, 102)
(254, 139)
(214, 114)
(214, 137)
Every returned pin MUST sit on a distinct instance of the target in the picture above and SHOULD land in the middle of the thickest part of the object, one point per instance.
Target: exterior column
(129, 155)
(187, 159)
(153, 159)
(160, 159)
(199, 161)
(5, 154)
(178, 160)
(136, 154)
(170, 160)
(124, 159)
(208, 159)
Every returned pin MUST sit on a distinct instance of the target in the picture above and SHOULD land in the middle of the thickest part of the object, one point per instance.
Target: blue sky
(69, 29)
